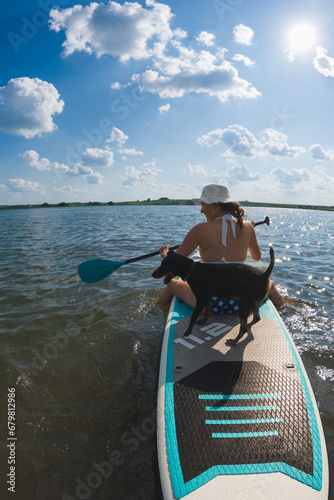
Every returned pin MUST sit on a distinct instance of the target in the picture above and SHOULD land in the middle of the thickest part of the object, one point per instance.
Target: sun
(301, 38)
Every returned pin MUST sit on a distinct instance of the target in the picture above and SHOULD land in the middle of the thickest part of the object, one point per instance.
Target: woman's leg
(274, 295)
(181, 289)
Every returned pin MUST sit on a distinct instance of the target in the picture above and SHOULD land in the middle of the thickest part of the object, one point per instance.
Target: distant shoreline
(163, 201)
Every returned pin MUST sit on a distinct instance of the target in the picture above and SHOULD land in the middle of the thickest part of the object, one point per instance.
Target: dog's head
(168, 268)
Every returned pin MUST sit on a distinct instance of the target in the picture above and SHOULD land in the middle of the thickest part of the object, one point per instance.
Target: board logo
(212, 331)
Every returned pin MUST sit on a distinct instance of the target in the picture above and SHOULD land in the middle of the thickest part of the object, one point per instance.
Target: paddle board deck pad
(237, 422)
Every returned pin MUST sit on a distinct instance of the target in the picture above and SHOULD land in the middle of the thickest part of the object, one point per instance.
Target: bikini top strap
(225, 218)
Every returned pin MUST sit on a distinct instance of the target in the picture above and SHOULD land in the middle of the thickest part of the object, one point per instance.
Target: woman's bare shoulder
(248, 225)
(202, 226)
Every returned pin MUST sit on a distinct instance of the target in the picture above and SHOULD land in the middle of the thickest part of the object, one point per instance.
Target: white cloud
(322, 181)
(165, 108)
(21, 185)
(98, 157)
(88, 173)
(131, 152)
(318, 153)
(118, 86)
(133, 31)
(27, 107)
(275, 143)
(118, 136)
(79, 169)
(67, 189)
(244, 59)
(313, 182)
(242, 142)
(125, 31)
(197, 169)
(199, 72)
(291, 176)
(239, 140)
(94, 178)
(241, 173)
(179, 34)
(146, 174)
(324, 63)
(33, 159)
(206, 38)
(243, 34)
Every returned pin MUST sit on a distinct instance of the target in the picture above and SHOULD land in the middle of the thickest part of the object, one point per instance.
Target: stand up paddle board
(237, 422)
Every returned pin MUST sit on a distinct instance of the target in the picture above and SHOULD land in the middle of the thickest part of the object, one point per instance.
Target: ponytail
(235, 210)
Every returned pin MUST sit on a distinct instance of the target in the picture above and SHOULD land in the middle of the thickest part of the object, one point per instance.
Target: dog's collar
(190, 271)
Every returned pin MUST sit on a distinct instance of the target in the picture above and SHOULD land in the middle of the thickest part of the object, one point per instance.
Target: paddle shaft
(135, 259)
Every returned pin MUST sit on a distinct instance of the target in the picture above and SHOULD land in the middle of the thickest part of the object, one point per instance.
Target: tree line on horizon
(163, 201)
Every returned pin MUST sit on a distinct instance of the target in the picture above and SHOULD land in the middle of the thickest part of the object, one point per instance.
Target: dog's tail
(268, 272)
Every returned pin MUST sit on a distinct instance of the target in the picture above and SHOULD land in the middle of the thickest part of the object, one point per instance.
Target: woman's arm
(190, 242)
(188, 245)
(253, 246)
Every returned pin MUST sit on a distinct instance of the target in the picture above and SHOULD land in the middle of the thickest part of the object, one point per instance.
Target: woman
(225, 237)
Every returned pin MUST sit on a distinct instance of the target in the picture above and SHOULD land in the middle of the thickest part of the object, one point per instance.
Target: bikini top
(225, 218)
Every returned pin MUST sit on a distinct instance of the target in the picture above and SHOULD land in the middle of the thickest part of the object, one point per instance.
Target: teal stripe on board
(241, 408)
(244, 421)
(238, 396)
(235, 435)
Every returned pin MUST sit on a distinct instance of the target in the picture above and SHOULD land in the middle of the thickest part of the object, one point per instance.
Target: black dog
(219, 280)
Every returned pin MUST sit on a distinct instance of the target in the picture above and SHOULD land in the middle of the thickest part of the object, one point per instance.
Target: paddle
(94, 270)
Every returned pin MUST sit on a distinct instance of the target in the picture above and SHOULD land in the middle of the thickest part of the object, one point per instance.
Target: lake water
(83, 359)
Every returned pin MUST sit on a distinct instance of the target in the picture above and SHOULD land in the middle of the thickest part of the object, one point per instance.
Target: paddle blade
(94, 270)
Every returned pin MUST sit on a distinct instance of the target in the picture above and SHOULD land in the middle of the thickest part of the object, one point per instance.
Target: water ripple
(84, 357)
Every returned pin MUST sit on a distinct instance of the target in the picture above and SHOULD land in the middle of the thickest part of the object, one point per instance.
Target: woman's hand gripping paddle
(95, 270)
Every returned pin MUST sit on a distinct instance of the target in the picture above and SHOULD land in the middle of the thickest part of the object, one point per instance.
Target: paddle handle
(265, 221)
(135, 259)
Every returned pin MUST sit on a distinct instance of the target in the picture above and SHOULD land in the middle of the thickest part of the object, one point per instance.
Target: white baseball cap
(214, 193)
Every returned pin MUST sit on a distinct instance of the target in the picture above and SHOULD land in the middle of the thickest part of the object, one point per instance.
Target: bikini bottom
(224, 305)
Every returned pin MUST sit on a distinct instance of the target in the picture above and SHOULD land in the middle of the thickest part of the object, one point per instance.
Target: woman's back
(209, 235)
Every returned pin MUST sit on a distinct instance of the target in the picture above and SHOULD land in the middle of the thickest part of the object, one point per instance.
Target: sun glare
(301, 37)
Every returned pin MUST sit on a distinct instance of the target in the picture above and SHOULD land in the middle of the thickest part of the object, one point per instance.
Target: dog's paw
(186, 334)
(231, 342)
(201, 321)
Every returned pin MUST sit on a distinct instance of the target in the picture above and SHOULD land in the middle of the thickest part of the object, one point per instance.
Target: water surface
(84, 358)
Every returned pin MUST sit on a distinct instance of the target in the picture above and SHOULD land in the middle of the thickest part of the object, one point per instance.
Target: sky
(120, 101)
